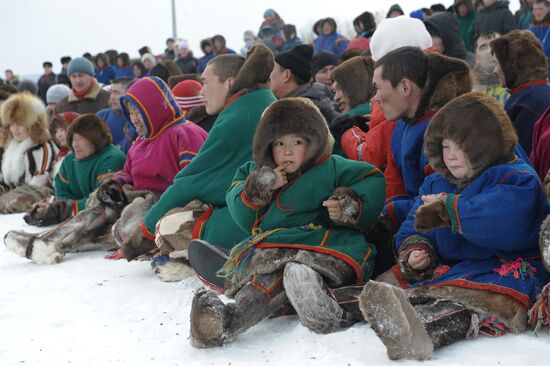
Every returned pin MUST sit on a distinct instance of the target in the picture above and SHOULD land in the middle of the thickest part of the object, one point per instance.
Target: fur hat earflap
(520, 56)
(255, 72)
(480, 126)
(354, 77)
(292, 116)
(92, 128)
(27, 110)
(448, 77)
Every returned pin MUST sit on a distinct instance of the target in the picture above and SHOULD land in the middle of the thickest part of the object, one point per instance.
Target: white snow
(91, 311)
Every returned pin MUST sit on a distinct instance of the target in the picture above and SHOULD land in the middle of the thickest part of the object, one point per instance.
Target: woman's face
(137, 120)
(61, 136)
(19, 132)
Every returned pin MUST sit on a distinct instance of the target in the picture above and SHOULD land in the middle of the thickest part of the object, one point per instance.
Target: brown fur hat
(255, 72)
(520, 56)
(292, 115)
(91, 127)
(354, 77)
(482, 129)
(448, 77)
(27, 110)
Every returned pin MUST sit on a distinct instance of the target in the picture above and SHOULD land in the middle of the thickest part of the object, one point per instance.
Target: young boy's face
(455, 160)
(290, 151)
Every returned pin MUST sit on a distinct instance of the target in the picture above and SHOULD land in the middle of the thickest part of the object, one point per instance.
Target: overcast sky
(33, 31)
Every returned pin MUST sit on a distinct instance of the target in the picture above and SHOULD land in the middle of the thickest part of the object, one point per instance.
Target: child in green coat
(306, 212)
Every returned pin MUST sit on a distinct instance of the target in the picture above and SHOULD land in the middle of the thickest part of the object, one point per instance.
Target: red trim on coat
(526, 85)
(248, 203)
(197, 229)
(209, 284)
(146, 233)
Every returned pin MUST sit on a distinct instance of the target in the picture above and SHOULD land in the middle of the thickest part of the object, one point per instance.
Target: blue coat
(542, 31)
(526, 104)
(122, 130)
(495, 222)
(105, 75)
(328, 43)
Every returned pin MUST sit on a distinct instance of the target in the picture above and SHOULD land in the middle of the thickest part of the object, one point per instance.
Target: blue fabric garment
(495, 220)
(542, 31)
(291, 44)
(122, 130)
(105, 75)
(203, 61)
(124, 72)
(524, 107)
(329, 43)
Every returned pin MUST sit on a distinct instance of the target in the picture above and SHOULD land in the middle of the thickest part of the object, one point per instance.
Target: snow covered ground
(92, 311)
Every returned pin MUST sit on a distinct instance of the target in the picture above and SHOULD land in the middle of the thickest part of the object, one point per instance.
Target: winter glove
(111, 194)
(430, 216)
(344, 122)
(258, 186)
(348, 202)
(46, 213)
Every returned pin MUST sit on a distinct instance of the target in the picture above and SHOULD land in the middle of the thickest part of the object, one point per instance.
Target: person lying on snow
(305, 211)
(467, 252)
(166, 144)
(28, 153)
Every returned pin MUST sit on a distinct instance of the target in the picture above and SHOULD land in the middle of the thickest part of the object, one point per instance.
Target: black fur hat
(480, 126)
(255, 71)
(91, 127)
(292, 115)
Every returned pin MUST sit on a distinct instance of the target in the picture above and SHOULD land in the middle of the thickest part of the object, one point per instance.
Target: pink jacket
(540, 155)
(169, 144)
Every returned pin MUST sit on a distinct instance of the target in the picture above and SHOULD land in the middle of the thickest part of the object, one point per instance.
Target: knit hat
(393, 33)
(297, 60)
(57, 92)
(269, 13)
(184, 44)
(92, 128)
(82, 65)
(148, 57)
(187, 94)
(360, 44)
(322, 59)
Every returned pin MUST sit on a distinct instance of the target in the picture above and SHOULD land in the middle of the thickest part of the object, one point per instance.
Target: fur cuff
(431, 216)
(350, 203)
(257, 188)
(54, 213)
(413, 275)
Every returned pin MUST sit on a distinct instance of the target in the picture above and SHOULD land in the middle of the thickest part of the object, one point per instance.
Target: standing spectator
(271, 37)
(28, 86)
(290, 40)
(53, 96)
(46, 80)
(322, 65)
(186, 62)
(86, 95)
(249, 40)
(524, 16)
(329, 40)
(123, 68)
(365, 25)
(446, 37)
(465, 15)
(219, 45)
(522, 68)
(104, 72)
(121, 128)
(494, 17)
(64, 64)
(273, 19)
(541, 26)
(11, 78)
(485, 79)
(170, 52)
(395, 11)
(208, 49)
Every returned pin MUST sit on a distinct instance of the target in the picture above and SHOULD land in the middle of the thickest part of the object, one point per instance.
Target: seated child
(306, 211)
(58, 130)
(467, 251)
(28, 155)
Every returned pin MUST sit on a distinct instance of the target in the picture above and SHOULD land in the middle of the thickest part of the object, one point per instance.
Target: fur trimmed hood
(520, 56)
(447, 78)
(354, 77)
(92, 128)
(482, 129)
(255, 72)
(292, 115)
(27, 110)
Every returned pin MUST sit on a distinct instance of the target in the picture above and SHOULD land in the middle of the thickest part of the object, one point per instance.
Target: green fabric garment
(228, 146)
(78, 178)
(467, 27)
(297, 211)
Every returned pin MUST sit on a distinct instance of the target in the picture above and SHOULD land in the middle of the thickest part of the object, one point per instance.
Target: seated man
(92, 157)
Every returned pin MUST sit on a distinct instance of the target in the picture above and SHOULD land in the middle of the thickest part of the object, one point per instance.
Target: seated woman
(166, 144)
(467, 252)
(27, 160)
(306, 211)
(58, 130)
(92, 157)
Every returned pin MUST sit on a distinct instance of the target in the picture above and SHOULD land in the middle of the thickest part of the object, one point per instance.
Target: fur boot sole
(206, 259)
(208, 320)
(395, 322)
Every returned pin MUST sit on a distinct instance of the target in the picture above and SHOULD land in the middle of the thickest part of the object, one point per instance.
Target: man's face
(80, 81)
(277, 81)
(340, 98)
(82, 147)
(462, 9)
(117, 90)
(540, 11)
(8, 75)
(170, 45)
(47, 69)
(391, 100)
(437, 43)
(484, 55)
(327, 28)
(213, 90)
(323, 75)
(183, 52)
(488, 3)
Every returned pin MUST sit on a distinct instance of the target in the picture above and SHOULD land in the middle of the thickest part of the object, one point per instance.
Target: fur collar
(13, 162)
(92, 94)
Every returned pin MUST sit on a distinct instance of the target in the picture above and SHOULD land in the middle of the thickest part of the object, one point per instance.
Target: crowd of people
(400, 177)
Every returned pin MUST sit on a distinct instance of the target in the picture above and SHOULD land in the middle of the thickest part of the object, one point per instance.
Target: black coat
(496, 18)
